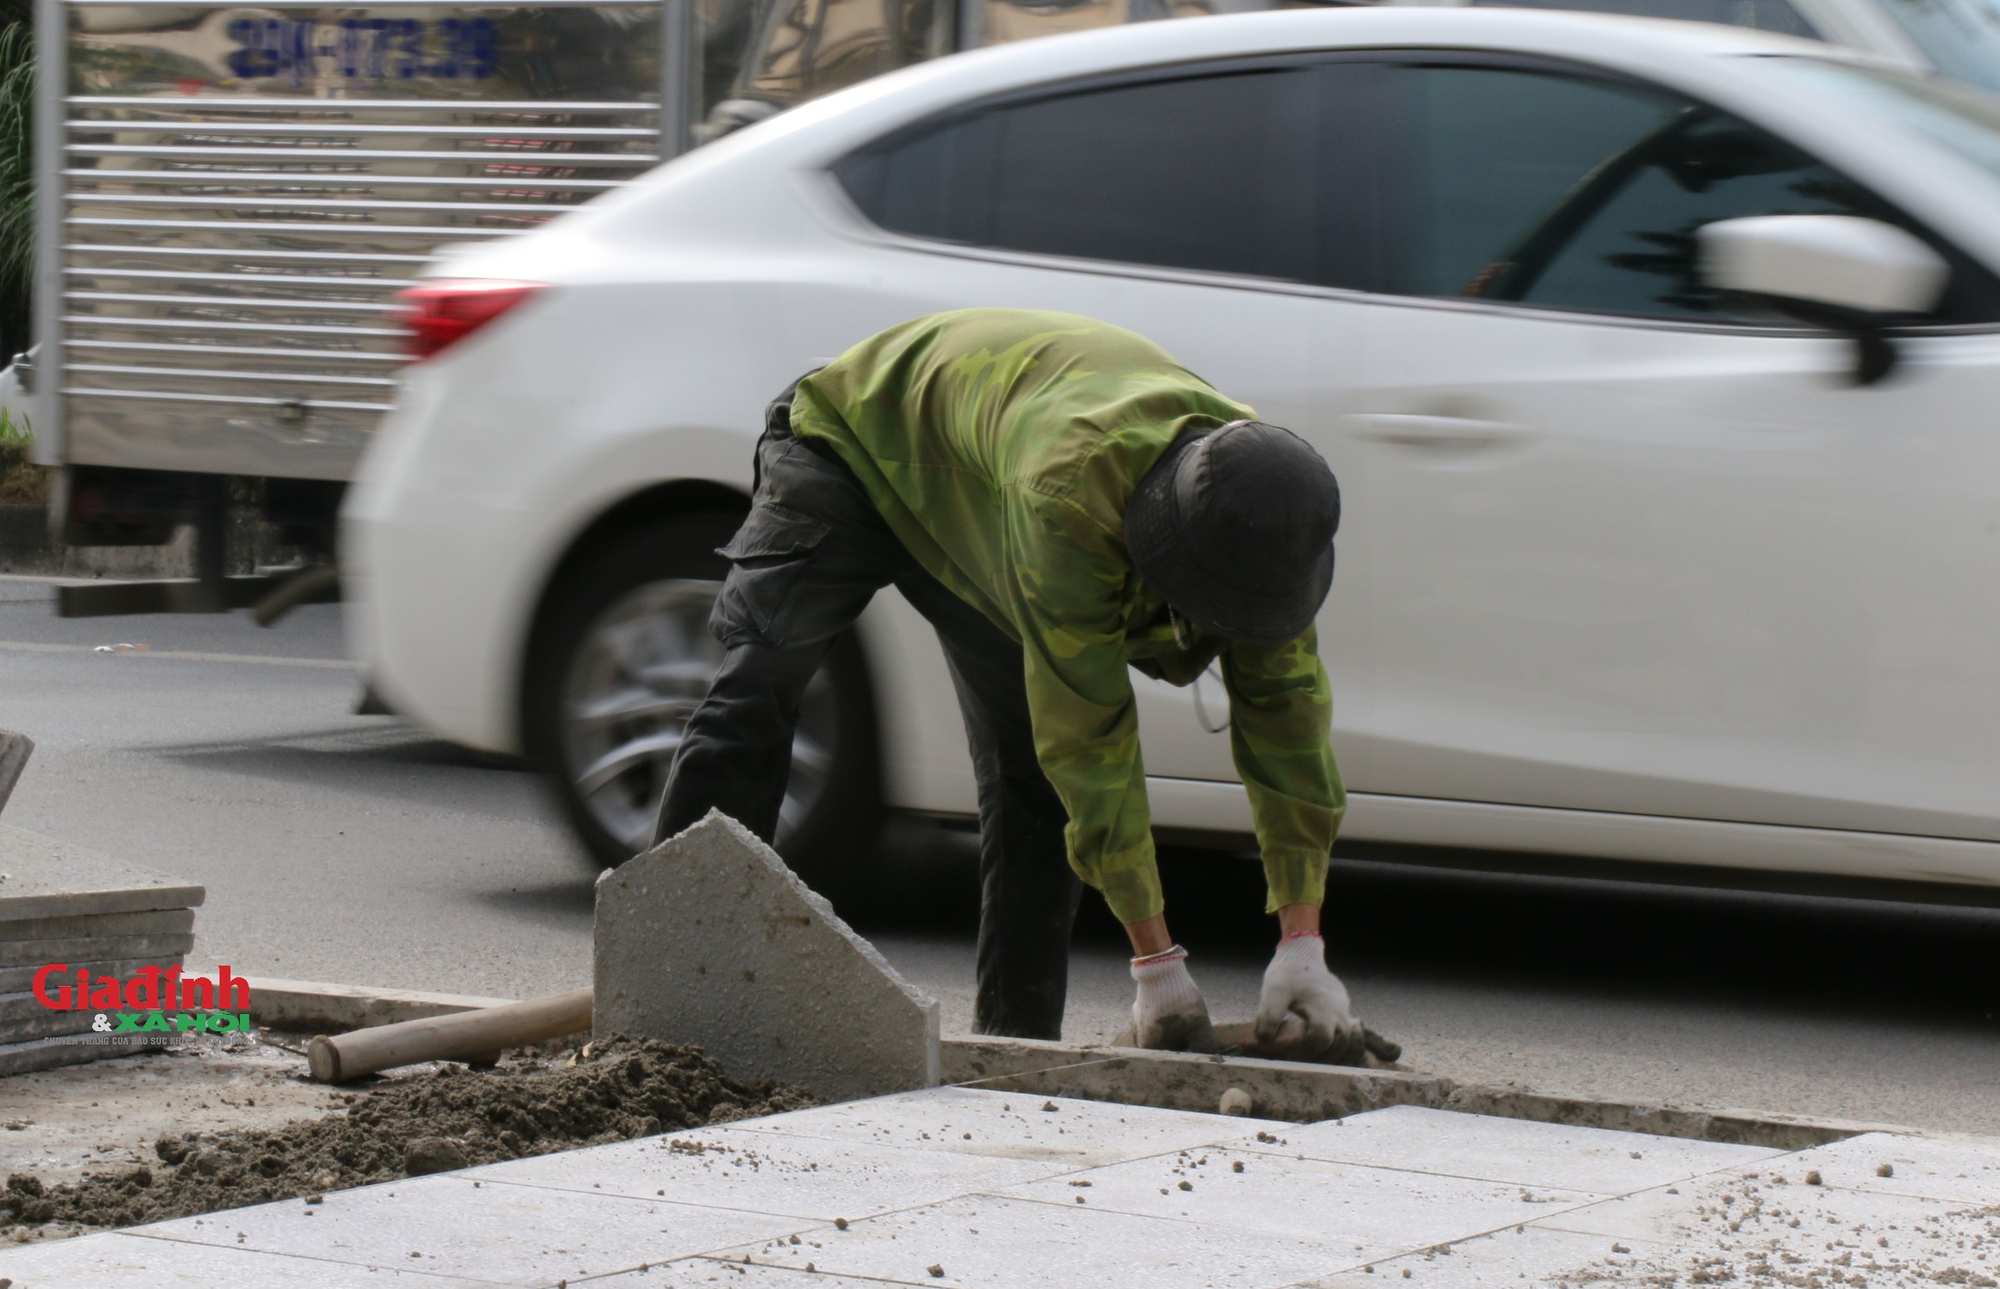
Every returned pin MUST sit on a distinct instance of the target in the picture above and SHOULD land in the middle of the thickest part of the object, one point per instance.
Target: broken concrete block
(709, 939)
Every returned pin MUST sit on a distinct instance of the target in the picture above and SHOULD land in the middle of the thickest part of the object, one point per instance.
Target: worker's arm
(1066, 588)
(1281, 714)
(1280, 717)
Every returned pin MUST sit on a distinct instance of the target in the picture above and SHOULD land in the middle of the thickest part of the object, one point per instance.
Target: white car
(1632, 566)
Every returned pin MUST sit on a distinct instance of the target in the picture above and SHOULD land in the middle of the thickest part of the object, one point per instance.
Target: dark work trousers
(809, 557)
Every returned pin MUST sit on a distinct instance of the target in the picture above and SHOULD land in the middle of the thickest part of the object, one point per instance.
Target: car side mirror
(1852, 275)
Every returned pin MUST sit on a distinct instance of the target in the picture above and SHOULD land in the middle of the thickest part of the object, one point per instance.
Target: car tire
(619, 659)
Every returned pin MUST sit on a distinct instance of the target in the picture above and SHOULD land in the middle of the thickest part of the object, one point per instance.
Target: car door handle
(1409, 430)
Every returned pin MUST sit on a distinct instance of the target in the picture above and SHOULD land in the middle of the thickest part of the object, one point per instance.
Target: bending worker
(1063, 501)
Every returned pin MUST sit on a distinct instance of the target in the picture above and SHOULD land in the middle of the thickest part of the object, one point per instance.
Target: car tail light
(438, 315)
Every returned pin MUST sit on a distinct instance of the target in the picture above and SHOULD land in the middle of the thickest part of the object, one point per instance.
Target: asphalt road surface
(358, 849)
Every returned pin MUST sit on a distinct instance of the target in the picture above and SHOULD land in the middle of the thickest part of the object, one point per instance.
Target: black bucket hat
(1234, 525)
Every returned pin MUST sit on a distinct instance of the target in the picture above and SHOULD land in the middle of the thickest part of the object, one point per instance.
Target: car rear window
(1209, 172)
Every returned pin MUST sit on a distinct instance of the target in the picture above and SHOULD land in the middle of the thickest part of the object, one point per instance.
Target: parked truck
(232, 195)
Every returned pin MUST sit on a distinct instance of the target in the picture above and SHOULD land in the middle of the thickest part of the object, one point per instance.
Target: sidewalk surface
(959, 1187)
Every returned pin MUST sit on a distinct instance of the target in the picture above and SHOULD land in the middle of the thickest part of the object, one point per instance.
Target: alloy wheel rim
(640, 670)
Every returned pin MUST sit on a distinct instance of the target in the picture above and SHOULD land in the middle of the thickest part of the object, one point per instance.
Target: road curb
(1305, 1093)
(1289, 1090)
(311, 1006)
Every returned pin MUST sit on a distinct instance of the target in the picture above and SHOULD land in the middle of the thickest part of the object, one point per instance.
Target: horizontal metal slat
(226, 301)
(310, 128)
(246, 351)
(246, 279)
(441, 156)
(357, 179)
(331, 230)
(314, 203)
(295, 377)
(196, 102)
(245, 399)
(269, 328)
(248, 253)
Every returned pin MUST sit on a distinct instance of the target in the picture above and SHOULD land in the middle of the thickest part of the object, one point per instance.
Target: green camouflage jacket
(1001, 446)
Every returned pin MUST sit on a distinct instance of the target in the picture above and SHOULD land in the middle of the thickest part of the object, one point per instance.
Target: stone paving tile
(1010, 1125)
(769, 1172)
(996, 1242)
(1955, 1170)
(1769, 1226)
(1526, 1257)
(515, 1235)
(703, 1273)
(1508, 1150)
(122, 1261)
(1368, 1213)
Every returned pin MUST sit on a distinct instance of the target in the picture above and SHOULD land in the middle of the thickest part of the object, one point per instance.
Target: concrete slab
(41, 877)
(15, 980)
(91, 926)
(1073, 1134)
(993, 1242)
(118, 1261)
(959, 1187)
(494, 1234)
(1512, 1150)
(805, 1177)
(33, 953)
(22, 1017)
(709, 939)
(54, 1052)
(1364, 1212)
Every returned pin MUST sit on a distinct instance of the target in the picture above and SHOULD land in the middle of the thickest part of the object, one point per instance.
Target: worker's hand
(1168, 1014)
(1298, 983)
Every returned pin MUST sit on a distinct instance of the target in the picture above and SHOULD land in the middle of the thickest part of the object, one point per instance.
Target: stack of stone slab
(62, 904)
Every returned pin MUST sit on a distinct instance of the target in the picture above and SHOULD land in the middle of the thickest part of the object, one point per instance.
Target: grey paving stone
(121, 1261)
(991, 1242)
(709, 939)
(514, 1235)
(34, 953)
(807, 1177)
(1066, 1133)
(92, 926)
(1597, 1160)
(51, 1053)
(41, 877)
(22, 1018)
(15, 980)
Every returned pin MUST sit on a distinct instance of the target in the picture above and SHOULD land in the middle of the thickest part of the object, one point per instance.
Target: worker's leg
(1028, 895)
(805, 563)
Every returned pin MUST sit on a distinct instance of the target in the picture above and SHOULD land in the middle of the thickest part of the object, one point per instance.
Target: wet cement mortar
(450, 1117)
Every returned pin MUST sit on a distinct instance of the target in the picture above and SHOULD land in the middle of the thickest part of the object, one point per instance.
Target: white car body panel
(679, 305)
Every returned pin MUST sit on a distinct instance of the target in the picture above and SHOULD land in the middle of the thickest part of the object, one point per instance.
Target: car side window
(1214, 172)
(1581, 194)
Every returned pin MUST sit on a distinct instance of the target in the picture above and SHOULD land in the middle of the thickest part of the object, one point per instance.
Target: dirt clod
(624, 1088)
(428, 1155)
(1886, 1170)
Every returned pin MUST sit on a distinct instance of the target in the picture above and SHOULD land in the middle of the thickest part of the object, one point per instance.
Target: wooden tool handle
(458, 1037)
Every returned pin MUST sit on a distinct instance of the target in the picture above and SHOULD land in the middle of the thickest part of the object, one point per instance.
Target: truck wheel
(621, 659)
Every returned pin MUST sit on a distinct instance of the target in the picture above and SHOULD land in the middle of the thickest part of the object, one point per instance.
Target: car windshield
(1961, 37)
(1957, 117)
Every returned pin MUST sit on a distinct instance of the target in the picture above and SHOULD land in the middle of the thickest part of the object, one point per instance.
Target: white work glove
(1298, 983)
(1169, 1015)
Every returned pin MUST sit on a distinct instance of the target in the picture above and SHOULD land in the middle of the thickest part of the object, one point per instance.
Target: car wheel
(622, 658)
